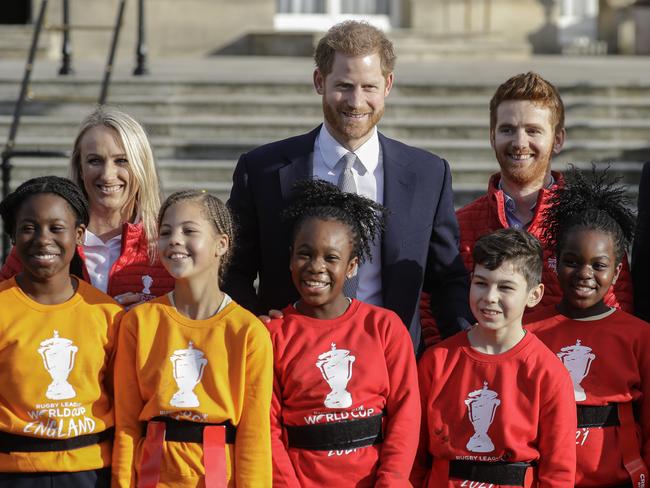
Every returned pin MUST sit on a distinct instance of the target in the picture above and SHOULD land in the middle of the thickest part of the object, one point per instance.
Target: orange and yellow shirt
(55, 370)
(232, 379)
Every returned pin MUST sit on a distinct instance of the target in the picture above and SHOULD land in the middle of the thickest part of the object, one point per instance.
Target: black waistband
(21, 443)
(598, 416)
(498, 473)
(347, 434)
(186, 431)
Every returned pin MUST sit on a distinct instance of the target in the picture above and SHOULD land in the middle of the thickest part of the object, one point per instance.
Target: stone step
(277, 127)
(425, 52)
(15, 41)
(428, 47)
(309, 105)
(220, 189)
(77, 88)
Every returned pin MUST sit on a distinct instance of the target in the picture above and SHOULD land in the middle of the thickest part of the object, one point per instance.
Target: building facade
(201, 27)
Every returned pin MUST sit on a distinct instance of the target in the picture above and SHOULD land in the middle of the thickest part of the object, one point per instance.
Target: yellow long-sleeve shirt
(55, 372)
(210, 371)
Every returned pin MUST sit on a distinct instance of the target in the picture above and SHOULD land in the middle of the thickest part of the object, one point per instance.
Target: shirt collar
(91, 239)
(510, 203)
(332, 151)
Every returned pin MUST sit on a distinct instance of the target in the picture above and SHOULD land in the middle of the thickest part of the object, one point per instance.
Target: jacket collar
(399, 190)
(497, 200)
(299, 163)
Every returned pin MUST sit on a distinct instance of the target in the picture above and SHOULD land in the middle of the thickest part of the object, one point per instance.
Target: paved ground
(558, 69)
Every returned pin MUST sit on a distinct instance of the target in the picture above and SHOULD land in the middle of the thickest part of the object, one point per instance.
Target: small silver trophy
(336, 367)
(481, 407)
(58, 358)
(577, 359)
(188, 366)
(147, 283)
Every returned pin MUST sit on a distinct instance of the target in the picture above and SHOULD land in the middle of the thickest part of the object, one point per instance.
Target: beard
(525, 175)
(350, 129)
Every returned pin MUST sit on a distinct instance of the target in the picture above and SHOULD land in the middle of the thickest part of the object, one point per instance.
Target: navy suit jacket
(419, 244)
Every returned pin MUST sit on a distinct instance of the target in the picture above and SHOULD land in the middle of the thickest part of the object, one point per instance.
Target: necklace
(172, 302)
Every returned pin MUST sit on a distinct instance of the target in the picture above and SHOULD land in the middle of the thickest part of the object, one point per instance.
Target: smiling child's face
(188, 244)
(46, 236)
(586, 270)
(320, 262)
(498, 297)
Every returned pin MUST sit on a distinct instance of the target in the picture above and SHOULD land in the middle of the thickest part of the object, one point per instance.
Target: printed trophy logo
(188, 366)
(336, 367)
(481, 407)
(577, 359)
(147, 283)
(58, 358)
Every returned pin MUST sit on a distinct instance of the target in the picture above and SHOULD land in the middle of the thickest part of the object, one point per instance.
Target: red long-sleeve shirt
(618, 370)
(378, 373)
(529, 394)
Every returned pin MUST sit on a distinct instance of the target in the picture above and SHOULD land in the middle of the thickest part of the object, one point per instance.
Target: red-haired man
(526, 130)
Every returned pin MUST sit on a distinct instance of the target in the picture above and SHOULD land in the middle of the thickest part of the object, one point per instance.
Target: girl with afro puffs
(604, 349)
(345, 408)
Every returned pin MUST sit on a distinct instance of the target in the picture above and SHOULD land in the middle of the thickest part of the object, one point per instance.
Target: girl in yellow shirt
(57, 337)
(193, 368)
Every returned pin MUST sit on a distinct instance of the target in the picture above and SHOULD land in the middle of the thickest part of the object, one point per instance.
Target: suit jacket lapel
(300, 164)
(399, 189)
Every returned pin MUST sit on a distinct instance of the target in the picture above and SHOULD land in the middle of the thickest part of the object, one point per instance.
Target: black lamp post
(141, 49)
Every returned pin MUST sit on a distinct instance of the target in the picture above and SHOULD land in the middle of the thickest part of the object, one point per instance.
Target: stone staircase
(425, 46)
(199, 127)
(15, 41)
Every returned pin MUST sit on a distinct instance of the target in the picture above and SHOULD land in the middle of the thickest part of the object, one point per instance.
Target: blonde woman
(113, 164)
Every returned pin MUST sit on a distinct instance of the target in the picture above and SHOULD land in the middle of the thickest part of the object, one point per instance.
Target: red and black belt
(213, 437)
(497, 473)
(598, 416)
(22, 443)
(336, 436)
(621, 415)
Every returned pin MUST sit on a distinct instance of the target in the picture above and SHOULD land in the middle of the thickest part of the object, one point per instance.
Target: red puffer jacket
(487, 214)
(127, 273)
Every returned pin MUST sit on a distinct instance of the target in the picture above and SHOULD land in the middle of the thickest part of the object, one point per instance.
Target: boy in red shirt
(496, 403)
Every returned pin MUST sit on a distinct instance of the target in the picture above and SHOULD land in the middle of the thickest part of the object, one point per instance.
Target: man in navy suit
(419, 247)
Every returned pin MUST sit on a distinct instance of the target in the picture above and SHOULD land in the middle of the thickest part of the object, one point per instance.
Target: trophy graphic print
(188, 366)
(147, 283)
(336, 367)
(58, 358)
(481, 407)
(577, 359)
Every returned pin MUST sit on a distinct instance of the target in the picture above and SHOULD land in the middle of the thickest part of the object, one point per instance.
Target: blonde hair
(144, 192)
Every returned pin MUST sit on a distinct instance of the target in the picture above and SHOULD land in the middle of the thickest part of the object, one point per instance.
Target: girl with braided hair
(57, 337)
(605, 350)
(345, 409)
(194, 366)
